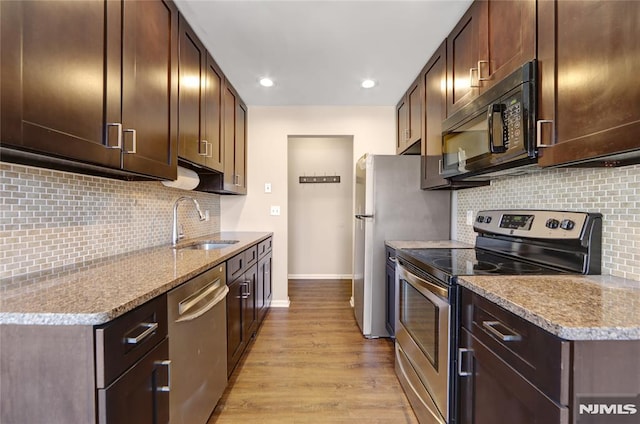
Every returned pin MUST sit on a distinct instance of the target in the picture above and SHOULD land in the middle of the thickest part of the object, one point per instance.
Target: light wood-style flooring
(310, 364)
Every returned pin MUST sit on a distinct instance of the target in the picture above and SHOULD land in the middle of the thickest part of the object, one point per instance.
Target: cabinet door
(589, 54)
(495, 393)
(211, 118)
(241, 148)
(465, 46)
(53, 98)
(150, 88)
(229, 137)
(249, 312)
(391, 300)
(192, 60)
(435, 113)
(402, 131)
(510, 39)
(263, 294)
(136, 397)
(235, 302)
(415, 97)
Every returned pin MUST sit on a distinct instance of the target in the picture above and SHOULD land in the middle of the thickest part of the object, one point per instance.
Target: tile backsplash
(52, 219)
(614, 192)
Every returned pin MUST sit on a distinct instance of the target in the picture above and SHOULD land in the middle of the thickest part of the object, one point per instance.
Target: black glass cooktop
(454, 262)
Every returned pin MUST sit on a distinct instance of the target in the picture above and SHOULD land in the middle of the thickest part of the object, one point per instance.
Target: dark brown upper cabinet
(409, 118)
(493, 39)
(589, 107)
(435, 77)
(92, 83)
(235, 142)
(199, 103)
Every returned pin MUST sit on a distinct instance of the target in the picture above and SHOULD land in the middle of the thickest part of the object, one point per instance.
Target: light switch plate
(469, 217)
(275, 210)
(267, 187)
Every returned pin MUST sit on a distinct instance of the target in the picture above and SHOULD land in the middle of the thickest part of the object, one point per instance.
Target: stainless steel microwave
(494, 134)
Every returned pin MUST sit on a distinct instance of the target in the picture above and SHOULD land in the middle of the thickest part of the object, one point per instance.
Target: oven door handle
(415, 280)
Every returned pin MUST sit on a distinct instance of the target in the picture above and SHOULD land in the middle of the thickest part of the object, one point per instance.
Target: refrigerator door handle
(361, 216)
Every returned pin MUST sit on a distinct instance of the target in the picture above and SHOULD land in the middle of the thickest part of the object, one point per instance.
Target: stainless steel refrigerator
(389, 205)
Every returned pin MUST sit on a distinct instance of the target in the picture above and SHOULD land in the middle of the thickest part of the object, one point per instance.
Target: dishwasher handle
(220, 296)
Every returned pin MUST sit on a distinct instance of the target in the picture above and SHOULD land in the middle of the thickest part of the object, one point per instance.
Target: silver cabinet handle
(480, 78)
(393, 259)
(119, 127)
(471, 83)
(165, 363)
(247, 294)
(151, 327)
(208, 149)
(440, 170)
(135, 142)
(539, 123)
(491, 326)
(461, 373)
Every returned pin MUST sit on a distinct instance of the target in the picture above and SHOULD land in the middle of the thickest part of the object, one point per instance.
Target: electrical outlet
(267, 187)
(206, 215)
(469, 217)
(275, 210)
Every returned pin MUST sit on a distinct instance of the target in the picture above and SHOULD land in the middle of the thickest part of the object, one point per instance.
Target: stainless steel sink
(207, 245)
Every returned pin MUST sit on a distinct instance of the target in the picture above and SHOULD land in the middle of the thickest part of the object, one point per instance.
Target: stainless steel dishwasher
(197, 346)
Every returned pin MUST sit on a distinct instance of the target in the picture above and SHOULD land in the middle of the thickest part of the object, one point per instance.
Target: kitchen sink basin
(207, 245)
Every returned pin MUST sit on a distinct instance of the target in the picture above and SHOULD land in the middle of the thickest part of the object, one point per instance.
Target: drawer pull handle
(165, 363)
(461, 373)
(491, 326)
(151, 327)
(393, 259)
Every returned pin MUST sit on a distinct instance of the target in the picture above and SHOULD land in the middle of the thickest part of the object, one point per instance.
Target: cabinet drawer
(251, 255)
(123, 341)
(264, 247)
(538, 355)
(239, 263)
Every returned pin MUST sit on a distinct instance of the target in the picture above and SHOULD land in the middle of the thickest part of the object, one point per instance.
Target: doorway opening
(320, 207)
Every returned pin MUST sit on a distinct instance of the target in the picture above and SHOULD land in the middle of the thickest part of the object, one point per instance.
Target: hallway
(310, 364)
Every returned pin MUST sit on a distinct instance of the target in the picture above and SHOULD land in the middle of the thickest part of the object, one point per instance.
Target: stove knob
(552, 223)
(567, 224)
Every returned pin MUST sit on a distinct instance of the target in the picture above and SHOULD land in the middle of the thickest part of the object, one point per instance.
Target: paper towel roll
(187, 180)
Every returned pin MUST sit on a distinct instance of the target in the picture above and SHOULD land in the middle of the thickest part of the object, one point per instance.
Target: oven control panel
(543, 224)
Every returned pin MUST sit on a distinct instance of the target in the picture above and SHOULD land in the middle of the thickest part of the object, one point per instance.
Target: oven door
(422, 351)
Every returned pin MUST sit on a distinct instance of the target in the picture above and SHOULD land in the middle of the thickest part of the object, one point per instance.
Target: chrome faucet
(176, 236)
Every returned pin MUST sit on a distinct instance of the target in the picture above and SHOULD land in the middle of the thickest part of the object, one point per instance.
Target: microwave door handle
(496, 108)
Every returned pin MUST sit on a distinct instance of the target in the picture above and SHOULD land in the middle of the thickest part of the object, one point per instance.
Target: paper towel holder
(186, 180)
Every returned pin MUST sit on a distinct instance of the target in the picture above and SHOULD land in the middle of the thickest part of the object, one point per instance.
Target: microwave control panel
(512, 118)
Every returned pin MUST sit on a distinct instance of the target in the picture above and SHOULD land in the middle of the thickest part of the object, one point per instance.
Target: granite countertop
(418, 244)
(101, 290)
(579, 307)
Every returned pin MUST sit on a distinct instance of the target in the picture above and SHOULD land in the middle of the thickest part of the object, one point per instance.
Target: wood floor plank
(310, 364)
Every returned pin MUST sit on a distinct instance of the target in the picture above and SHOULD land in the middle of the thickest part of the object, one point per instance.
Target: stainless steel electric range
(508, 242)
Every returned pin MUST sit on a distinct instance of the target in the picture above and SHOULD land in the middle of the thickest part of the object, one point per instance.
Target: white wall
(373, 131)
(320, 214)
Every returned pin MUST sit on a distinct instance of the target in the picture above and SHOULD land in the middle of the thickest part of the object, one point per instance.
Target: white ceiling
(318, 52)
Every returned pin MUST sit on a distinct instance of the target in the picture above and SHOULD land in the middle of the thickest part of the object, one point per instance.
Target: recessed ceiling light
(368, 83)
(266, 82)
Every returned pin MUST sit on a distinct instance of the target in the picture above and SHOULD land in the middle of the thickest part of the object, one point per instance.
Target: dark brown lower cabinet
(241, 315)
(495, 392)
(264, 287)
(138, 395)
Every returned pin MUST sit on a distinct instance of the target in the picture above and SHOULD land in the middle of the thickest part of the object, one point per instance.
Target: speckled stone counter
(571, 307)
(417, 244)
(99, 291)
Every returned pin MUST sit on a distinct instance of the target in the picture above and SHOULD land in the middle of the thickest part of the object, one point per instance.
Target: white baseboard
(320, 276)
(280, 303)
